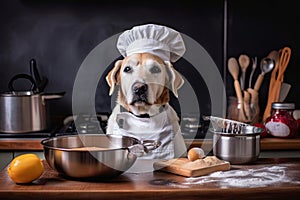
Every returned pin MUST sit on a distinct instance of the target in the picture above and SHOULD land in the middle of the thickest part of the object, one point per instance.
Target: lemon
(25, 168)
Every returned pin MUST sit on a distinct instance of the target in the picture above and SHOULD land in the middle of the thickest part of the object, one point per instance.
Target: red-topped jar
(281, 123)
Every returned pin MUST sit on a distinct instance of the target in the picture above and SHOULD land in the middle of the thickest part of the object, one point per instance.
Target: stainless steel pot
(238, 148)
(94, 155)
(24, 111)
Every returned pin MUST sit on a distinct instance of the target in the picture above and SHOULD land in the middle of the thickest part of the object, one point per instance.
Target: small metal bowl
(238, 148)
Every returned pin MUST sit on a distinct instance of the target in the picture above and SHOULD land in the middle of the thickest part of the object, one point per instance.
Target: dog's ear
(175, 78)
(112, 76)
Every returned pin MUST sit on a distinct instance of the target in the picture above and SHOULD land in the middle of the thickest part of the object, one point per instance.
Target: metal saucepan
(24, 111)
(94, 155)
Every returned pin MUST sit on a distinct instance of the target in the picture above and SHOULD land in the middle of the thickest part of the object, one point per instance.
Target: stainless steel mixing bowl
(238, 148)
(93, 155)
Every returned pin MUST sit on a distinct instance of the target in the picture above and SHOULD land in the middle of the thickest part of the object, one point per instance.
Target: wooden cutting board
(185, 167)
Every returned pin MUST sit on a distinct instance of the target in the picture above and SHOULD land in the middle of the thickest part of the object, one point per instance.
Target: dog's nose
(139, 88)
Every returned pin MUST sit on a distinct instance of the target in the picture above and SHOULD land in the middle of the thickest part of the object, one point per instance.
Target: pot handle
(22, 76)
(48, 96)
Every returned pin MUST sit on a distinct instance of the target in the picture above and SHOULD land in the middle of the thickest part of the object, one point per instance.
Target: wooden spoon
(244, 62)
(233, 68)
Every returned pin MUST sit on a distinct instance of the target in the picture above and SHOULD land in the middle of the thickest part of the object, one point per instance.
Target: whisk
(231, 126)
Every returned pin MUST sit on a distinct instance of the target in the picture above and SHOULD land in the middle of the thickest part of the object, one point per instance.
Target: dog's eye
(127, 69)
(155, 70)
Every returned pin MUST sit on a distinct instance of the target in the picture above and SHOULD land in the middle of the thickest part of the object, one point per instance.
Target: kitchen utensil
(235, 142)
(244, 62)
(185, 167)
(105, 156)
(24, 111)
(266, 65)
(218, 124)
(275, 56)
(233, 68)
(40, 82)
(282, 59)
(284, 90)
(271, 95)
(247, 106)
(254, 65)
(34, 71)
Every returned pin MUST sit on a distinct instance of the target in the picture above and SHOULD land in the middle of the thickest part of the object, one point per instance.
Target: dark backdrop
(59, 34)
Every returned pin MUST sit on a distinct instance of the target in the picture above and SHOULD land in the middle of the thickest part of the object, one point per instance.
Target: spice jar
(281, 123)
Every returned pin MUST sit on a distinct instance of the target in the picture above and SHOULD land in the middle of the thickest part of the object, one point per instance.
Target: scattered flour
(261, 177)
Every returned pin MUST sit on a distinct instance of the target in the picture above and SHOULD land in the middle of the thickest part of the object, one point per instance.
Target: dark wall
(258, 27)
(60, 34)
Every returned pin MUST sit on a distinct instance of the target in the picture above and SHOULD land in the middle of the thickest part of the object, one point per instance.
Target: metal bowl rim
(78, 136)
(258, 132)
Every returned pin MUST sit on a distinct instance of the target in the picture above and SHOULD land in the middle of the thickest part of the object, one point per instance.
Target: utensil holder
(235, 111)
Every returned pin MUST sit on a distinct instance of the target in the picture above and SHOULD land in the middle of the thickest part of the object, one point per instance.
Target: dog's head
(144, 81)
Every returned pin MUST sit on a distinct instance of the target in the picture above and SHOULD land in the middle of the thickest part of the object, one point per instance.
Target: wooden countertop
(34, 144)
(266, 179)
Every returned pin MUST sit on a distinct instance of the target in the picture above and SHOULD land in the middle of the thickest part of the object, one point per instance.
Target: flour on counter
(261, 177)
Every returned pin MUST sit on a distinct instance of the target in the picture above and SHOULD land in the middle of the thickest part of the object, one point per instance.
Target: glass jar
(249, 114)
(281, 123)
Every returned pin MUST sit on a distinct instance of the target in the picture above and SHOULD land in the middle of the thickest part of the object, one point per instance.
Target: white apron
(159, 128)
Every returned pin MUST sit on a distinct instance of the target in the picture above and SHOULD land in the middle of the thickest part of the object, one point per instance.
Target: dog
(142, 107)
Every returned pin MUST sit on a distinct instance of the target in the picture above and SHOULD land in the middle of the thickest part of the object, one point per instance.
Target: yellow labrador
(142, 110)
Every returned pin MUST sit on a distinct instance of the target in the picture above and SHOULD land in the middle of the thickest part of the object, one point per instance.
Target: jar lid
(280, 105)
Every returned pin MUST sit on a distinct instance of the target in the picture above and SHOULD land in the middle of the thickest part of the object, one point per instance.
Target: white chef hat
(151, 38)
